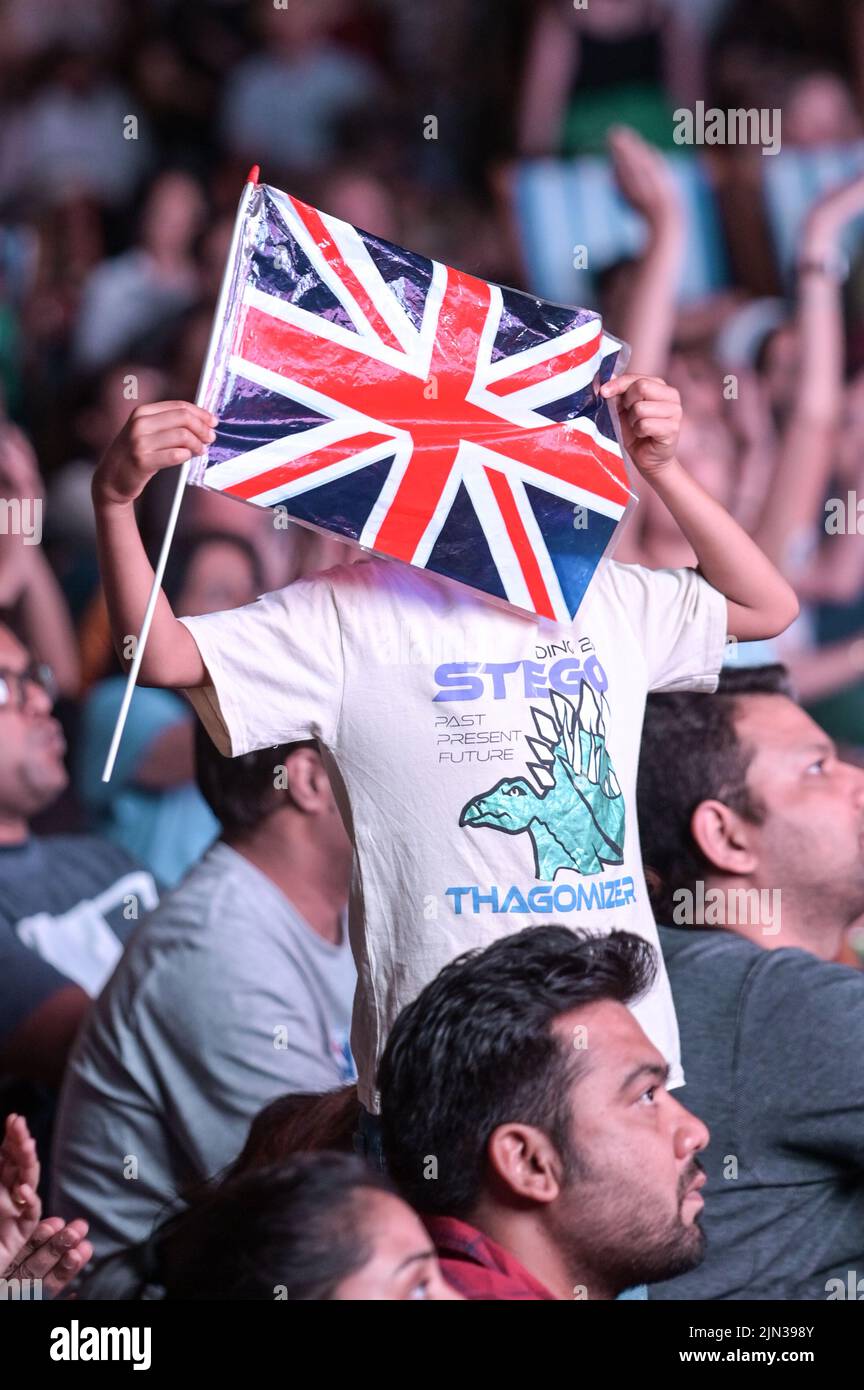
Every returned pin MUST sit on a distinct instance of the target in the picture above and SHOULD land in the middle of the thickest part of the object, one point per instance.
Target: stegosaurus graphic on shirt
(576, 818)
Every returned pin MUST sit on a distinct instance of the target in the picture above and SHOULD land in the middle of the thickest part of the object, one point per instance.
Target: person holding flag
(486, 769)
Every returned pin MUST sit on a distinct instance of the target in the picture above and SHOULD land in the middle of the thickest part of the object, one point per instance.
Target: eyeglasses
(14, 684)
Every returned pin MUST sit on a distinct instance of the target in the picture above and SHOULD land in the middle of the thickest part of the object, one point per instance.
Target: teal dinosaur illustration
(575, 813)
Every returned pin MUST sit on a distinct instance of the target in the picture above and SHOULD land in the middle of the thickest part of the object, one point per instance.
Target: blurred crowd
(125, 135)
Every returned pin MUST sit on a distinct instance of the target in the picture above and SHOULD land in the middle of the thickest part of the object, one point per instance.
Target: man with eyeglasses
(67, 902)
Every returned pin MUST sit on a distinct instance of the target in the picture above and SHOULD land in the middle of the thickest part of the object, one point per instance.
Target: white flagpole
(218, 317)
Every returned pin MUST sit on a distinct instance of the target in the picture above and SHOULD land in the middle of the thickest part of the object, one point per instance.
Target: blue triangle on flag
(343, 506)
(462, 537)
(574, 551)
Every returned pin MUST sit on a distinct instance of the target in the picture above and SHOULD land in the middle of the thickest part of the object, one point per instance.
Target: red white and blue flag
(427, 415)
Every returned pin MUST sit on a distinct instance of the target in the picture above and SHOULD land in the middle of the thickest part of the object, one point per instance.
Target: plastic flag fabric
(430, 416)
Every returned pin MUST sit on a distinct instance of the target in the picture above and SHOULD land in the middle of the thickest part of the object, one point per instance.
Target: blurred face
(820, 111)
(116, 404)
(218, 577)
(302, 22)
(173, 213)
(32, 774)
(365, 202)
(403, 1264)
(614, 17)
(630, 1211)
(707, 450)
(811, 844)
(700, 383)
(781, 369)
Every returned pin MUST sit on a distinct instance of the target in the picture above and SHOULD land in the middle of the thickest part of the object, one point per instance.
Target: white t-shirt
(485, 761)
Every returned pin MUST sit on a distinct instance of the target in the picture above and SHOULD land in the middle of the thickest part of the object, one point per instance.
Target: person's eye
(420, 1290)
(819, 767)
(649, 1095)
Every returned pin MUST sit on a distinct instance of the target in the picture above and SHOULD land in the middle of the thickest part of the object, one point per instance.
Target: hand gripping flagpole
(183, 476)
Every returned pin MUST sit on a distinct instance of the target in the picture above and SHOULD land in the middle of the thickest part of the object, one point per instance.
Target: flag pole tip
(254, 174)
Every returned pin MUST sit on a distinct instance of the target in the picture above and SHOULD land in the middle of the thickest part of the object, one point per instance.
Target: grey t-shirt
(225, 999)
(772, 1042)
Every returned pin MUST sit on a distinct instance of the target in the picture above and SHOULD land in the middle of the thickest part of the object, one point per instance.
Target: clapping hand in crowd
(52, 1250)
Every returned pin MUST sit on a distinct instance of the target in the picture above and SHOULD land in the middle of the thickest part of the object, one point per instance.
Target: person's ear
(306, 781)
(526, 1161)
(726, 840)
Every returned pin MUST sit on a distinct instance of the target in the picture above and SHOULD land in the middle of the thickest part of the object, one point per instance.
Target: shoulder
(696, 955)
(98, 856)
(786, 985)
(218, 921)
(628, 579)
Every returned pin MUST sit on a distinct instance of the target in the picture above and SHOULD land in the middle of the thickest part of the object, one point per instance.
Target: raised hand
(20, 1207)
(828, 217)
(162, 435)
(650, 414)
(644, 177)
(52, 1250)
(55, 1254)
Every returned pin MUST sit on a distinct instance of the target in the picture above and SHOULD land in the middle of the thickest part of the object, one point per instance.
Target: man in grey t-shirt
(237, 990)
(752, 830)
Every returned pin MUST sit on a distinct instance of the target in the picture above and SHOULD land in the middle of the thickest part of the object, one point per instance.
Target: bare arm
(820, 671)
(27, 582)
(154, 437)
(38, 1048)
(804, 465)
(46, 625)
(648, 321)
(760, 602)
(552, 57)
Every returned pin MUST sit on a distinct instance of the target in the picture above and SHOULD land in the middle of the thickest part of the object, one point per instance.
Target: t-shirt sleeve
(679, 621)
(26, 981)
(801, 1037)
(275, 669)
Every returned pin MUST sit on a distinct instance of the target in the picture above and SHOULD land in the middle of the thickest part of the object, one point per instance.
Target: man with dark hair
(753, 837)
(67, 902)
(525, 1115)
(237, 990)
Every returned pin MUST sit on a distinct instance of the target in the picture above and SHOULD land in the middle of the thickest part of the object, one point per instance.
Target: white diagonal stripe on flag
(294, 487)
(356, 255)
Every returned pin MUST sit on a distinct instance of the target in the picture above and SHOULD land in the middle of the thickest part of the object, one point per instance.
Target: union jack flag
(427, 415)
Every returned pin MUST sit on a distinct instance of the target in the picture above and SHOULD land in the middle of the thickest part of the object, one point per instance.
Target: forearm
(171, 657)
(46, 625)
(728, 558)
(548, 75)
(823, 671)
(793, 503)
(649, 320)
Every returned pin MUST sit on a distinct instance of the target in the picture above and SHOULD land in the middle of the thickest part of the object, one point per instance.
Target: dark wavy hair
(241, 792)
(691, 752)
(476, 1050)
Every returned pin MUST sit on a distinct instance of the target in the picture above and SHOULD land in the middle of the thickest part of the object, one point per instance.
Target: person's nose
(691, 1135)
(36, 698)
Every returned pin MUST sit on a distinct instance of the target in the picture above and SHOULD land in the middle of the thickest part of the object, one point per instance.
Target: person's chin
(49, 782)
